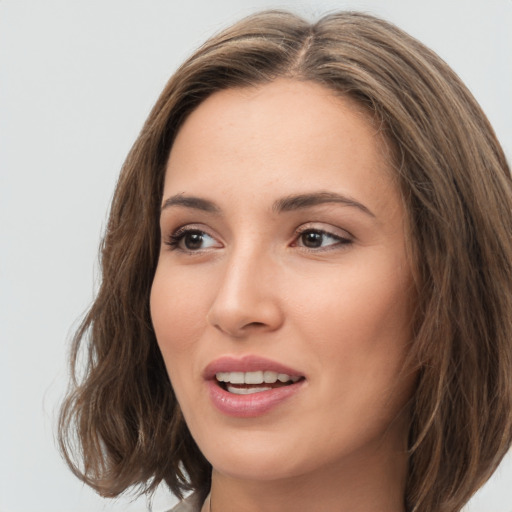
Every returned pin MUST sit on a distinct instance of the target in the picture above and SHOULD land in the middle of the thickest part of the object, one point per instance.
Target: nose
(247, 299)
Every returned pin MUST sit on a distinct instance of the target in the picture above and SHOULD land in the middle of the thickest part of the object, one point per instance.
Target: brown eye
(193, 240)
(312, 239)
(319, 239)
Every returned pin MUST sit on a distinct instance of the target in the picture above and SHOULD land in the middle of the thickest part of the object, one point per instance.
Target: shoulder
(189, 504)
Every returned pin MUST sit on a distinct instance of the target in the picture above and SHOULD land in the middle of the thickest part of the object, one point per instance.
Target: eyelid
(174, 238)
(323, 227)
(342, 235)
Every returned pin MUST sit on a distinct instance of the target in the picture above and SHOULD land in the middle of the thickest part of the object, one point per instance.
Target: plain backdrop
(77, 79)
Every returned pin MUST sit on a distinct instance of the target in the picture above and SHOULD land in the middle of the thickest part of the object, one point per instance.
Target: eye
(192, 240)
(319, 239)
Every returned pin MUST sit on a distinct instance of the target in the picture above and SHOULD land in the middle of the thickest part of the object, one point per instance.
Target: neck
(358, 485)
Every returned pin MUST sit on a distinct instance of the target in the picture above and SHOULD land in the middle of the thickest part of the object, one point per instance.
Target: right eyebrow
(196, 203)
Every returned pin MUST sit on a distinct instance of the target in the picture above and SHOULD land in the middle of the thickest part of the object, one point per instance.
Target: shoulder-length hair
(121, 426)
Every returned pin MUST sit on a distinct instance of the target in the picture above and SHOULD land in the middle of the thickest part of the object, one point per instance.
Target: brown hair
(121, 415)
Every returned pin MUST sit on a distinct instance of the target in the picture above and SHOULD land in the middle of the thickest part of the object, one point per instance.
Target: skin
(338, 311)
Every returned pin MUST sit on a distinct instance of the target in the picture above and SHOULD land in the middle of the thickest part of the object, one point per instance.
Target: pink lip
(255, 404)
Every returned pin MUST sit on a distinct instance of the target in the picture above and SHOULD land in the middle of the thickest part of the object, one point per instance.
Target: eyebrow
(196, 203)
(285, 204)
(300, 201)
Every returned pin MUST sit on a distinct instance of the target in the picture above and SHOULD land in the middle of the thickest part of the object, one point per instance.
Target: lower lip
(249, 406)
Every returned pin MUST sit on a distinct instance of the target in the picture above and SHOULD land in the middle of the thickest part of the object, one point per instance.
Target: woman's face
(281, 301)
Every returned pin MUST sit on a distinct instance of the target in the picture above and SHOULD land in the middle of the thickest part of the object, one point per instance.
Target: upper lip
(248, 363)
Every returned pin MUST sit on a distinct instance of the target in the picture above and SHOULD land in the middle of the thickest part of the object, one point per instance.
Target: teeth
(259, 377)
(236, 378)
(270, 377)
(246, 391)
(253, 378)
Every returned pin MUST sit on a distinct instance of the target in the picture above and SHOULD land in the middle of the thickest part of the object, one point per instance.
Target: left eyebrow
(300, 201)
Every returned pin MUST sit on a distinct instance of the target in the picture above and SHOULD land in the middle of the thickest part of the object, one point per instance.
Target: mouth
(250, 386)
(247, 383)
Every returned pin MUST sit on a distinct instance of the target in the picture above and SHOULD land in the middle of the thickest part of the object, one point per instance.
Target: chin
(259, 468)
(248, 458)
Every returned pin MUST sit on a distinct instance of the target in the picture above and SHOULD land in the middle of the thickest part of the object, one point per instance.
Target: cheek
(363, 308)
(177, 314)
(360, 331)
(178, 320)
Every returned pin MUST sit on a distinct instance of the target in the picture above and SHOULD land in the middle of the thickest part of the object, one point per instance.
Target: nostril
(256, 324)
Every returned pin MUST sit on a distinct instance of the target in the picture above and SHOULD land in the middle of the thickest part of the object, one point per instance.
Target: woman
(307, 283)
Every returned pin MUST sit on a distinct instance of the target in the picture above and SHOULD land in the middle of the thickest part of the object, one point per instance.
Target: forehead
(284, 137)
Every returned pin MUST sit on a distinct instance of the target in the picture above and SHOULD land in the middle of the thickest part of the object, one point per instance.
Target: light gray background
(77, 79)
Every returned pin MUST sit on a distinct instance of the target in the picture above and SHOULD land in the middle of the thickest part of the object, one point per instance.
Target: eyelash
(340, 240)
(174, 239)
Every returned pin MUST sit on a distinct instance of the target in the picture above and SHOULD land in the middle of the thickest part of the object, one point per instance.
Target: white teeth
(259, 377)
(269, 377)
(253, 378)
(246, 391)
(236, 378)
